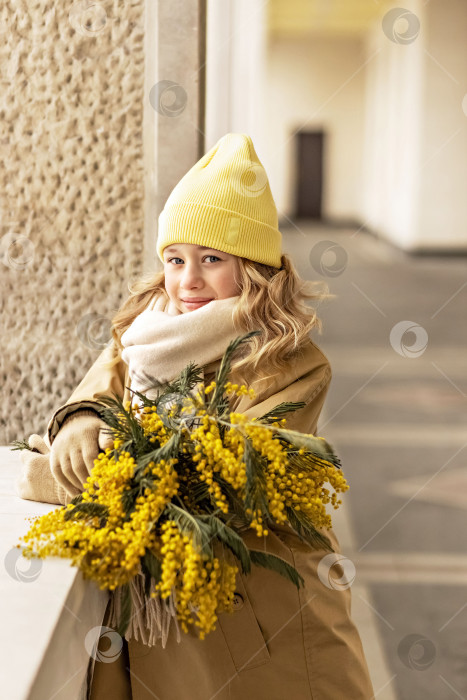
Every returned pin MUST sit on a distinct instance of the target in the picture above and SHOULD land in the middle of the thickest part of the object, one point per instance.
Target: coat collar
(307, 361)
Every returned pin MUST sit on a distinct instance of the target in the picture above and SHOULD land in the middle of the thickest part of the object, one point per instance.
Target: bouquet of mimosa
(184, 478)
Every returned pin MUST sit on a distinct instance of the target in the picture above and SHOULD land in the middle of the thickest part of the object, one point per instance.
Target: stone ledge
(46, 612)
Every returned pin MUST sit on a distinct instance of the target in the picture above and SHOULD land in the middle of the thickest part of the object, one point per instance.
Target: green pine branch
(224, 370)
(225, 534)
(275, 563)
(278, 412)
(152, 569)
(167, 451)
(126, 428)
(316, 446)
(255, 489)
(125, 609)
(192, 525)
(87, 509)
(306, 531)
(21, 445)
(188, 378)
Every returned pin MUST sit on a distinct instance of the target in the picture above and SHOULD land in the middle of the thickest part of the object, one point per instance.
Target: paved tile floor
(396, 412)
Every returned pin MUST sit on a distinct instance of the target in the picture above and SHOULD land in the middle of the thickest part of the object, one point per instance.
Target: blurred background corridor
(397, 414)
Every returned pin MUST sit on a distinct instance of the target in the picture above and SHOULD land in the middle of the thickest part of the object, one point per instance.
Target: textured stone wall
(71, 193)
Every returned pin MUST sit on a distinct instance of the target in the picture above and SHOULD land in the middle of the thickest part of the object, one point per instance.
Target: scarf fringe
(150, 618)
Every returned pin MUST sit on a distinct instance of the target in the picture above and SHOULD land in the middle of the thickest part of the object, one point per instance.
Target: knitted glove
(81, 437)
(36, 482)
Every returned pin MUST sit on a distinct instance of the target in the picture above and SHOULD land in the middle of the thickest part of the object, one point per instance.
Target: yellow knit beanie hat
(224, 202)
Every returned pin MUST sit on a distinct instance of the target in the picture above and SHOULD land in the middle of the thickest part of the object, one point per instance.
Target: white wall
(235, 79)
(442, 213)
(271, 90)
(396, 138)
(393, 117)
(317, 83)
(415, 173)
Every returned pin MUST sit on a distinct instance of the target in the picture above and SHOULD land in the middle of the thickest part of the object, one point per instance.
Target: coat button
(237, 601)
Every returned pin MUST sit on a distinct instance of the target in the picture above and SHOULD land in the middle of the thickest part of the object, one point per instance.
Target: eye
(207, 256)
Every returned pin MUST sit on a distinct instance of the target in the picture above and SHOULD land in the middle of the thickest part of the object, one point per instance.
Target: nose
(191, 276)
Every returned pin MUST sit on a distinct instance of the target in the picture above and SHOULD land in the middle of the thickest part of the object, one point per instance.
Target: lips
(195, 300)
(193, 304)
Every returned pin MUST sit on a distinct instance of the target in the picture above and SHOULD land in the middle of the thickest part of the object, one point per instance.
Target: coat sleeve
(38, 483)
(311, 387)
(98, 381)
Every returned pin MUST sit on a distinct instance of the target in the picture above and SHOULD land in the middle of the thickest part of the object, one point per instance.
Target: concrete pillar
(174, 104)
(236, 56)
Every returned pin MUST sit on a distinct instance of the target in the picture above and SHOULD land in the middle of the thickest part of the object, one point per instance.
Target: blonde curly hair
(271, 300)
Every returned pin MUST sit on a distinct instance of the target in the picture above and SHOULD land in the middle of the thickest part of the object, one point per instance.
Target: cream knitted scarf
(159, 343)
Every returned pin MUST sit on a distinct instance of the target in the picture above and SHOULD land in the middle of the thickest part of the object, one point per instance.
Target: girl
(223, 275)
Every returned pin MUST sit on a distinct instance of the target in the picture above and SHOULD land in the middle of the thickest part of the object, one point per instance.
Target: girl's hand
(36, 483)
(75, 447)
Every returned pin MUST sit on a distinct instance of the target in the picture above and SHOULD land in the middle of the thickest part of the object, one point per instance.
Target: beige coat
(280, 643)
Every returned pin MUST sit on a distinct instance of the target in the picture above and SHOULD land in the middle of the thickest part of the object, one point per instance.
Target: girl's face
(200, 274)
